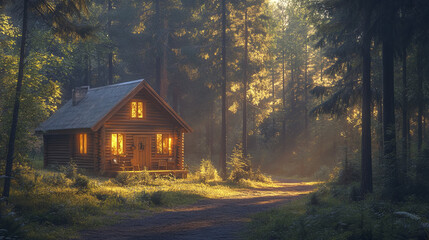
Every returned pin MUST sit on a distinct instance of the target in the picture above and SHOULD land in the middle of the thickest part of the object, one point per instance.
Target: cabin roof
(99, 104)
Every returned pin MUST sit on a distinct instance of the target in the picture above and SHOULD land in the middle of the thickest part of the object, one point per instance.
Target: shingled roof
(98, 105)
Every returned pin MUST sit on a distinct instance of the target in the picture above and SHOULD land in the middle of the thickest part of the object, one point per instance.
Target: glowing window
(136, 109)
(117, 144)
(164, 144)
(83, 143)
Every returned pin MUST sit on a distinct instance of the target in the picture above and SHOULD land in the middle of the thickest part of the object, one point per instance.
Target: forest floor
(221, 218)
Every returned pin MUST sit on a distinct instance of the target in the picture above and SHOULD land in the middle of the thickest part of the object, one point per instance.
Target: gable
(154, 113)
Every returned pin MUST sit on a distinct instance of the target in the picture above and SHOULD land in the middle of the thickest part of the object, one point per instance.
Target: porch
(175, 173)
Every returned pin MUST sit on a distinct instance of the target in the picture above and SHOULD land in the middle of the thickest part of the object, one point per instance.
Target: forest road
(207, 219)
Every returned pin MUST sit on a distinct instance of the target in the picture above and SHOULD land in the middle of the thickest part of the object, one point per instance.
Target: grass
(46, 204)
(331, 213)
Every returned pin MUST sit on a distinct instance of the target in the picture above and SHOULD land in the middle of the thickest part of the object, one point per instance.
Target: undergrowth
(47, 204)
(337, 212)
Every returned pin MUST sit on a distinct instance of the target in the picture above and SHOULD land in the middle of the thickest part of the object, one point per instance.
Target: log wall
(156, 120)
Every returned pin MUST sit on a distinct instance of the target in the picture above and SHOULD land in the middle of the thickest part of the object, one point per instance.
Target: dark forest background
(314, 74)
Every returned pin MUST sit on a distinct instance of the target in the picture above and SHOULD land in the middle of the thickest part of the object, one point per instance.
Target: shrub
(260, 177)
(143, 197)
(55, 179)
(123, 179)
(239, 165)
(345, 175)
(70, 170)
(131, 178)
(81, 182)
(207, 171)
(25, 177)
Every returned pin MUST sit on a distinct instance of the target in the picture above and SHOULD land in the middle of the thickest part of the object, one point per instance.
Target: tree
(366, 161)
(392, 183)
(245, 65)
(224, 81)
(57, 16)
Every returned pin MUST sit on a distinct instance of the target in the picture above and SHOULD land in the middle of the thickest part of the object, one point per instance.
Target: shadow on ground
(207, 219)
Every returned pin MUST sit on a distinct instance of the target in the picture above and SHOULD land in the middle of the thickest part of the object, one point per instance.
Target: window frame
(124, 146)
(170, 148)
(137, 101)
(82, 146)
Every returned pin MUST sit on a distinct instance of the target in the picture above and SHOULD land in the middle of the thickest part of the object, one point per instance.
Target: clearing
(222, 218)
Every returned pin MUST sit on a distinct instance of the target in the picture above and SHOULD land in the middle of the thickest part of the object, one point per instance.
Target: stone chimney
(78, 94)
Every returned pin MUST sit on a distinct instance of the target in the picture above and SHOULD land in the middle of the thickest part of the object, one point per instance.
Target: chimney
(78, 94)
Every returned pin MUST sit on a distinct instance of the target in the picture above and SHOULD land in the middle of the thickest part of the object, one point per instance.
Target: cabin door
(141, 158)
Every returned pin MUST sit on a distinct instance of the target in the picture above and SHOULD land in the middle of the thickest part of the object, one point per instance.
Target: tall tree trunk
(366, 161)
(88, 69)
(163, 77)
(244, 137)
(158, 40)
(109, 30)
(176, 96)
(380, 131)
(273, 99)
(223, 134)
(292, 83)
(283, 100)
(12, 136)
(392, 183)
(209, 134)
(419, 100)
(306, 90)
(404, 113)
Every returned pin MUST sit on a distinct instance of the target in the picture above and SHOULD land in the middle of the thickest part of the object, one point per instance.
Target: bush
(143, 197)
(345, 175)
(81, 182)
(55, 179)
(25, 177)
(70, 170)
(239, 166)
(131, 178)
(260, 177)
(241, 169)
(207, 172)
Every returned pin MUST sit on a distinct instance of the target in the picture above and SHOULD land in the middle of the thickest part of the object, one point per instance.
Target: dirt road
(207, 219)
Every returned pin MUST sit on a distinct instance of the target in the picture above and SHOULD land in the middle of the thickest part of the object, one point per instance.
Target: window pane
(85, 143)
(164, 143)
(114, 144)
(140, 110)
(159, 143)
(80, 143)
(133, 109)
(120, 144)
(170, 146)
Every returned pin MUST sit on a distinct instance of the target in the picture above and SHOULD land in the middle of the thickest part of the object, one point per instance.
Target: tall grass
(48, 204)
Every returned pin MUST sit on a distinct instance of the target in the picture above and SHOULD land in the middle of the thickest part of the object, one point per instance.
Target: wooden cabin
(120, 127)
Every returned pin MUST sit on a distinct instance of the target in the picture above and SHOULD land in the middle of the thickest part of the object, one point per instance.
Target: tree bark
(164, 73)
(366, 161)
(110, 56)
(283, 100)
(390, 161)
(404, 112)
(244, 137)
(273, 100)
(306, 90)
(420, 101)
(12, 136)
(224, 81)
